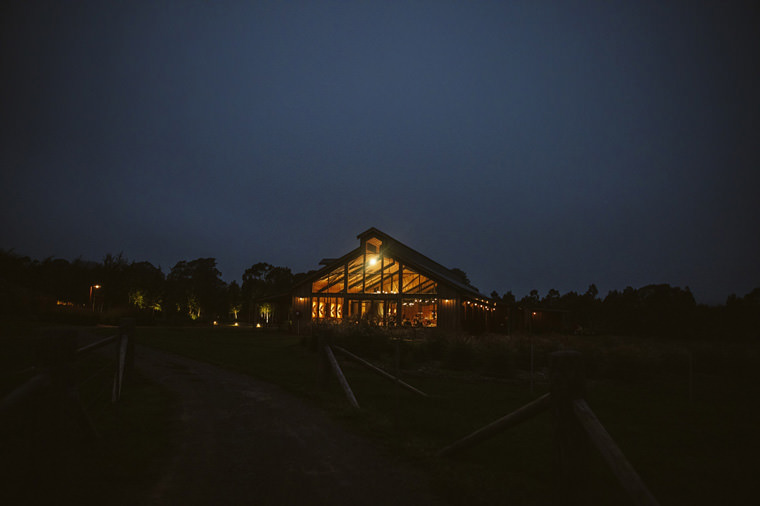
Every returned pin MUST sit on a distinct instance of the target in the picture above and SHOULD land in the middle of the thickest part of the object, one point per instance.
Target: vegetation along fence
(576, 427)
(54, 379)
(328, 362)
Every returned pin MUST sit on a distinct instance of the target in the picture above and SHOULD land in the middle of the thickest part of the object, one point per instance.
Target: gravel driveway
(247, 442)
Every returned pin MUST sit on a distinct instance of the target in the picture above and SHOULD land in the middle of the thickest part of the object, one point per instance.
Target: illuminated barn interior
(385, 283)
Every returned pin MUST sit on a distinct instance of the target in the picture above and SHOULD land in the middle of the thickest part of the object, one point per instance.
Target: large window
(390, 276)
(375, 275)
(332, 282)
(356, 275)
(419, 312)
(327, 308)
(375, 311)
(371, 284)
(373, 271)
(415, 282)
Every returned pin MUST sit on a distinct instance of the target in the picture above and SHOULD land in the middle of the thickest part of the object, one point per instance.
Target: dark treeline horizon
(193, 290)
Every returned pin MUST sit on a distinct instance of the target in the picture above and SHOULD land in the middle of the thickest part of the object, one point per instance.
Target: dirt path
(248, 442)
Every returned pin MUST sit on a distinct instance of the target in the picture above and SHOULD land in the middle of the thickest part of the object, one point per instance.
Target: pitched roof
(409, 257)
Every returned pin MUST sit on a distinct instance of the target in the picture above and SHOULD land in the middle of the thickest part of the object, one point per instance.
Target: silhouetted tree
(666, 310)
(145, 285)
(741, 317)
(234, 299)
(532, 299)
(278, 279)
(254, 286)
(551, 299)
(195, 289)
(461, 275)
(262, 279)
(16, 290)
(113, 279)
(508, 298)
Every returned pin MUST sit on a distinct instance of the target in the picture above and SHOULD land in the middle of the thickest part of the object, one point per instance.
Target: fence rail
(328, 362)
(57, 358)
(576, 427)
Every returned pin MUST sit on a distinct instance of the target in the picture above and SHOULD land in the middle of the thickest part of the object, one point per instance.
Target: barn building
(386, 283)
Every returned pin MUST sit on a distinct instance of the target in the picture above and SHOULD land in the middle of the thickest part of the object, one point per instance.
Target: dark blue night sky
(531, 144)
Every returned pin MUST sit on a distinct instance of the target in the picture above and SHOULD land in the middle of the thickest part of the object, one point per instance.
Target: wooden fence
(53, 374)
(328, 363)
(577, 428)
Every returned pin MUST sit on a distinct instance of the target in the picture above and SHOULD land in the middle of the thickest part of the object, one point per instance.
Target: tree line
(193, 290)
(658, 310)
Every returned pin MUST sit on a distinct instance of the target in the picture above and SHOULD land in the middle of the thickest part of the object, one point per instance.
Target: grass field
(685, 414)
(689, 449)
(46, 457)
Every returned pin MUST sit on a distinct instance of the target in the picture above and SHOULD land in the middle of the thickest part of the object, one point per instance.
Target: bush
(69, 315)
(460, 353)
(497, 357)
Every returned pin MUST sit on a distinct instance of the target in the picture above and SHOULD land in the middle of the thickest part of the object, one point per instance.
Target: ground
(242, 441)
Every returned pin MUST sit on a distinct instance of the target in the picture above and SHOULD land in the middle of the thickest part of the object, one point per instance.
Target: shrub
(460, 353)
(497, 356)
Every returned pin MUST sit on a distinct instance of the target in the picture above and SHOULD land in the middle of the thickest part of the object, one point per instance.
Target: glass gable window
(332, 282)
(372, 274)
(375, 287)
(390, 276)
(356, 275)
(376, 275)
(414, 282)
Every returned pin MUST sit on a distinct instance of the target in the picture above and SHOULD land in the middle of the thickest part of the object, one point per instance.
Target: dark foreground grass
(697, 452)
(46, 457)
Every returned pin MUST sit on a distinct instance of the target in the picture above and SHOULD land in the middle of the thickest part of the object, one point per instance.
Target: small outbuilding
(386, 283)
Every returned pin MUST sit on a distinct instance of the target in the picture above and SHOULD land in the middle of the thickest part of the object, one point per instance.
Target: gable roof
(408, 256)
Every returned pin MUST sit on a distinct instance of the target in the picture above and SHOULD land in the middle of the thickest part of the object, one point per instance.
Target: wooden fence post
(626, 475)
(567, 385)
(124, 356)
(341, 377)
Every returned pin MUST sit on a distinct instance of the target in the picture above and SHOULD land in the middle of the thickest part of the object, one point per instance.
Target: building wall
(448, 308)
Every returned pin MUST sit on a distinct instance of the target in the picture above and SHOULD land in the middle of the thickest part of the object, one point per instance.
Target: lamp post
(93, 288)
